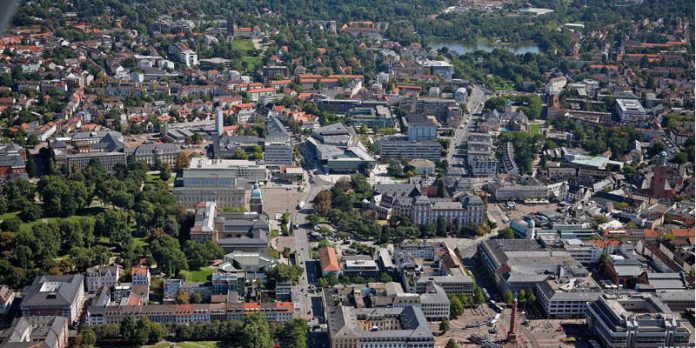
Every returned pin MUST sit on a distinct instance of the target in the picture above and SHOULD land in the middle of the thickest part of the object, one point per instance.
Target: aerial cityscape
(347, 174)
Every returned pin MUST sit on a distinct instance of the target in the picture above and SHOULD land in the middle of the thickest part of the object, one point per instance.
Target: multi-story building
(55, 296)
(101, 276)
(400, 147)
(226, 280)
(233, 231)
(339, 151)
(37, 331)
(518, 264)
(440, 68)
(278, 148)
(140, 282)
(422, 127)
(635, 321)
(406, 200)
(184, 54)
(328, 261)
(404, 327)
(108, 160)
(630, 111)
(375, 117)
(362, 265)
(519, 192)
(480, 156)
(12, 162)
(157, 153)
(434, 262)
(566, 298)
(270, 72)
(277, 153)
(7, 296)
(204, 169)
(225, 182)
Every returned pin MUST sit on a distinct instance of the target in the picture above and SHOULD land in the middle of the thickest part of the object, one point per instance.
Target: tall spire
(512, 335)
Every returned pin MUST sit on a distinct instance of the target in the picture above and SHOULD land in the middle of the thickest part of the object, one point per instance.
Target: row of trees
(253, 332)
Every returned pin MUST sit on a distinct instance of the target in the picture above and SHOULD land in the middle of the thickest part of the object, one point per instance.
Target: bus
(486, 294)
(496, 307)
(495, 320)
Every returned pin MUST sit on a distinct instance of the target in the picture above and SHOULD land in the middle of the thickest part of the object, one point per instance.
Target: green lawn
(6, 216)
(28, 225)
(198, 276)
(153, 178)
(245, 46)
(534, 128)
(253, 63)
(188, 344)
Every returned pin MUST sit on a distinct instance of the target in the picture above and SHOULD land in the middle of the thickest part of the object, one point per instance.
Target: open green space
(199, 276)
(26, 226)
(245, 46)
(534, 128)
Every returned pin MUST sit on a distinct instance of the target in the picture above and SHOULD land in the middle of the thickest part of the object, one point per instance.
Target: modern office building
(480, 155)
(338, 150)
(401, 148)
(630, 111)
(567, 298)
(523, 264)
(635, 321)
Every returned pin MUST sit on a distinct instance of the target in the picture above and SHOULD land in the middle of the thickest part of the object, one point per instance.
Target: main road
(475, 104)
(303, 252)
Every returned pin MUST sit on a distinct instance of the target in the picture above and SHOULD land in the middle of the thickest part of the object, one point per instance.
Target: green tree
(114, 225)
(30, 212)
(294, 333)
(508, 297)
(128, 329)
(89, 337)
(256, 333)
(283, 272)
(506, 233)
(17, 192)
(62, 197)
(11, 224)
(441, 226)
(456, 306)
(479, 297)
(168, 254)
(200, 254)
(444, 326)
(452, 343)
(323, 202)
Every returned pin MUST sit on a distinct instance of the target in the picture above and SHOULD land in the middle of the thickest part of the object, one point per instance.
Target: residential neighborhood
(378, 174)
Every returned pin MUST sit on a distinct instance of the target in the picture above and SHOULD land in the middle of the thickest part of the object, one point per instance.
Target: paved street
(303, 256)
(475, 104)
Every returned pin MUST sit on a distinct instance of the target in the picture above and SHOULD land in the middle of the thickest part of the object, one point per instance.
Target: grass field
(152, 178)
(28, 225)
(188, 344)
(245, 46)
(198, 276)
(534, 128)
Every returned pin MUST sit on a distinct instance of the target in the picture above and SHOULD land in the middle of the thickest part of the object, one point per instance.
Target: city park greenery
(68, 222)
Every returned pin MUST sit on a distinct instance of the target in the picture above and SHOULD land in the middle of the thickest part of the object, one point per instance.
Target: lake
(461, 48)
